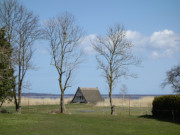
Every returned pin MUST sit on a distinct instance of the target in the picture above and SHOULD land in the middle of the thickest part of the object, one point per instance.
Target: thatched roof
(91, 95)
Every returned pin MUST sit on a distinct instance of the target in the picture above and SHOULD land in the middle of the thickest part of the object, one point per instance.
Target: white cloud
(138, 40)
(86, 44)
(168, 52)
(161, 44)
(165, 54)
(164, 39)
(155, 55)
(88, 50)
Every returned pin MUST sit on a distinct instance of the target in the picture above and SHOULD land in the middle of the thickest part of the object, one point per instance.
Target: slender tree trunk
(110, 93)
(15, 98)
(62, 107)
(111, 104)
(62, 102)
(18, 107)
(110, 97)
(1, 105)
(18, 101)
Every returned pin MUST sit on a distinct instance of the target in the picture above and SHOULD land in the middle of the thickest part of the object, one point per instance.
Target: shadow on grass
(176, 121)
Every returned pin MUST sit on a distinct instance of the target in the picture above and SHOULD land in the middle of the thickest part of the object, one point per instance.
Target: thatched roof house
(87, 95)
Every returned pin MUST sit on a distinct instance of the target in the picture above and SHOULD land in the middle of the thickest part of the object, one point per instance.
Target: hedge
(166, 106)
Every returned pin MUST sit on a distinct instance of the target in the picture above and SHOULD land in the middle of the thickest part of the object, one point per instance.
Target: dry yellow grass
(38, 101)
(142, 102)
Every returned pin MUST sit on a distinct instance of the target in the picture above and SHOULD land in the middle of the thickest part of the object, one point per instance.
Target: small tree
(7, 80)
(63, 35)
(114, 57)
(173, 79)
(124, 90)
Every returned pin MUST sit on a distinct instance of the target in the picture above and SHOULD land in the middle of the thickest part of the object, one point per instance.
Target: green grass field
(83, 120)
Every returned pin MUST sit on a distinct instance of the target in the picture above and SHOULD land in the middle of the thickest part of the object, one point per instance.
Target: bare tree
(8, 16)
(114, 57)
(124, 90)
(22, 28)
(173, 79)
(64, 36)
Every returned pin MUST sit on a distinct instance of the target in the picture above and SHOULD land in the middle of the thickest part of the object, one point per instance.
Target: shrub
(166, 106)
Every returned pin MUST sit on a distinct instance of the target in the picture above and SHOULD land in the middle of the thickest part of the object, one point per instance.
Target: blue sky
(153, 26)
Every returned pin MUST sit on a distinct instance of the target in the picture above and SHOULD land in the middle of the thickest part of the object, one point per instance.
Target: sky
(153, 26)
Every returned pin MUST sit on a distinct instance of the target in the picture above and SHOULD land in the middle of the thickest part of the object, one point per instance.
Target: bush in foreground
(166, 106)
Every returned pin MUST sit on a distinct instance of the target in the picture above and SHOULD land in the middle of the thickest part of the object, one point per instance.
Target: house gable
(87, 95)
(79, 97)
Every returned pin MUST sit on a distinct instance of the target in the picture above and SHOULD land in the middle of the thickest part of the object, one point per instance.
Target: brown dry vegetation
(142, 102)
(39, 101)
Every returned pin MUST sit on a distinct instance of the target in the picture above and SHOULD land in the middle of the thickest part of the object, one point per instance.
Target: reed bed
(142, 102)
(39, 101)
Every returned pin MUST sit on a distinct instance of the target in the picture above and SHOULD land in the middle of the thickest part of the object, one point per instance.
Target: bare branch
(63, 35)
(114, 56)
(173, 79)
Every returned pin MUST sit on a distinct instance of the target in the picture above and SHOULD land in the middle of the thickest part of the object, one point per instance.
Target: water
(104, 96)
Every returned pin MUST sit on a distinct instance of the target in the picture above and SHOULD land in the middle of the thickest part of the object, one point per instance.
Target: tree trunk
(110, 88)
(15, 98)
(110, 93)
(111, 104)
(62, 102)
(18, 101)
(1, 105)
(62, 107)
(18, 107)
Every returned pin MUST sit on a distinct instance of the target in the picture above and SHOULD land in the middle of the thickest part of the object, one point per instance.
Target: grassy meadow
(84, 119)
